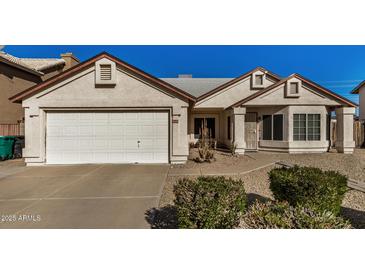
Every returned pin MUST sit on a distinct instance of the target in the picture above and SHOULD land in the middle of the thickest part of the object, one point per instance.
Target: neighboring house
(17, 74)
(360, 89)
(107, 111)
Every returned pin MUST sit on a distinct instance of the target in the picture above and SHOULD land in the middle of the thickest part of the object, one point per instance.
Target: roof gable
(236, 80)
(91, 62)
(81, 90)
(234, 90)
(309, 86)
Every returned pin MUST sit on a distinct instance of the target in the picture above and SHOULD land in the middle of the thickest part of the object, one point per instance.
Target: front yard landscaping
(257, 184)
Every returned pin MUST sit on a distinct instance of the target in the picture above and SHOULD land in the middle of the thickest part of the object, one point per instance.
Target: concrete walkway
(83, 196)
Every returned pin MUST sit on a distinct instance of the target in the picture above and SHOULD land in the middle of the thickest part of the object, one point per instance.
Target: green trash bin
(6, 147)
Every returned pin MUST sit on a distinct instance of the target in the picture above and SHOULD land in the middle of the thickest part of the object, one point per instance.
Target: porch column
(180, 146)
(239, 129)
(345, 129)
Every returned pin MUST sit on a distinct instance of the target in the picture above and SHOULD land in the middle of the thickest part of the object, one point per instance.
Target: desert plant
(283, 215)
(205, 150)
(209, 202)
(310, 187)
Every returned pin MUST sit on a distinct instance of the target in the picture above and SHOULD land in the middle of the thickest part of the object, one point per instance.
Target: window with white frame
(314, 127)
(306, 127)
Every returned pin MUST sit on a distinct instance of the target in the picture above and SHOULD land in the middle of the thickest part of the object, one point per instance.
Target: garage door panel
(86, 144)
(161, 143)
(131, 130)
(107, 137)
(160, 116)
(101, 157)
(86, 130)
(54, 131)
(163, 130)
(101, 130)
(117, 157)
(131, 116)
(116, 130)
(148, 130)
(86, 156)
(100, 144)
(117, 144)
(70, 130)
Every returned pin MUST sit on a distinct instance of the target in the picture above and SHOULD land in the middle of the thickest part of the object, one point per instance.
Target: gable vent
(105, 72)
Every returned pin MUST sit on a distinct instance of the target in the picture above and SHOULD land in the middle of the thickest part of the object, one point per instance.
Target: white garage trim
(81, 136)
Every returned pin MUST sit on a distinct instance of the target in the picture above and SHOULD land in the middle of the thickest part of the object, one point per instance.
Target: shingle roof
(196, 86)
(37, 65)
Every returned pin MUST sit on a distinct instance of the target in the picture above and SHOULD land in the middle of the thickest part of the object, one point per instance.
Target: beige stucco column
(345, 129)
(239, 129)
(180, 146)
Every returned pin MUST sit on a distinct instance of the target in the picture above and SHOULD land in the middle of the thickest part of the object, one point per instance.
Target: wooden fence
(359, 133)
(12, 129)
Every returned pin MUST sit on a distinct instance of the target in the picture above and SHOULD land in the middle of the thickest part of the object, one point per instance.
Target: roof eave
(37, 73)
(17, 98)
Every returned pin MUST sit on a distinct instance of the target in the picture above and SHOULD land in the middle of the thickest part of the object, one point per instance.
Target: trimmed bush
(209, 202)
(282, 215)
(309, 187)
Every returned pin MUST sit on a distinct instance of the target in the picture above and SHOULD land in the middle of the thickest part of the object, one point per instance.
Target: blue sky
(339, 68)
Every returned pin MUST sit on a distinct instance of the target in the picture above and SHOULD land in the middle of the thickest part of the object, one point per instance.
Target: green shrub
(209, 202)
(282, 215)
(310, 187)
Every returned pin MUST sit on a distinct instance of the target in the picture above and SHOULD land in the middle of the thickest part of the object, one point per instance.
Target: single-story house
(105, 110)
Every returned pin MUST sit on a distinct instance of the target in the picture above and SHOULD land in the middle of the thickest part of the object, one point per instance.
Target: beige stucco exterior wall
(307, 96)
(273, 102)
(309, 102)
(79, 93)
(288, 144)
(345, 128)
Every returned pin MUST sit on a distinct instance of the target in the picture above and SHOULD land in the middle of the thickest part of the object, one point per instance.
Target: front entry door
(251, 130)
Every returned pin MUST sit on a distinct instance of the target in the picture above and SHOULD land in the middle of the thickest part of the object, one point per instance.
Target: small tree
(206, 152)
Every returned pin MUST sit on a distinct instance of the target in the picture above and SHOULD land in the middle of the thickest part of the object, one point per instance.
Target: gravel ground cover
(257, 182)
(222, 159)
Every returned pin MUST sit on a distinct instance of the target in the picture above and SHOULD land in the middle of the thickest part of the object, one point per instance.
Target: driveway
(84, 196)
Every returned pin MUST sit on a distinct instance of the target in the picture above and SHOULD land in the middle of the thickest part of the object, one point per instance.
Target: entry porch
(291, 129)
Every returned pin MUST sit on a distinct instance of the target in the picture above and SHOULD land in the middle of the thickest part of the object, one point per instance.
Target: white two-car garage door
(107, 137)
